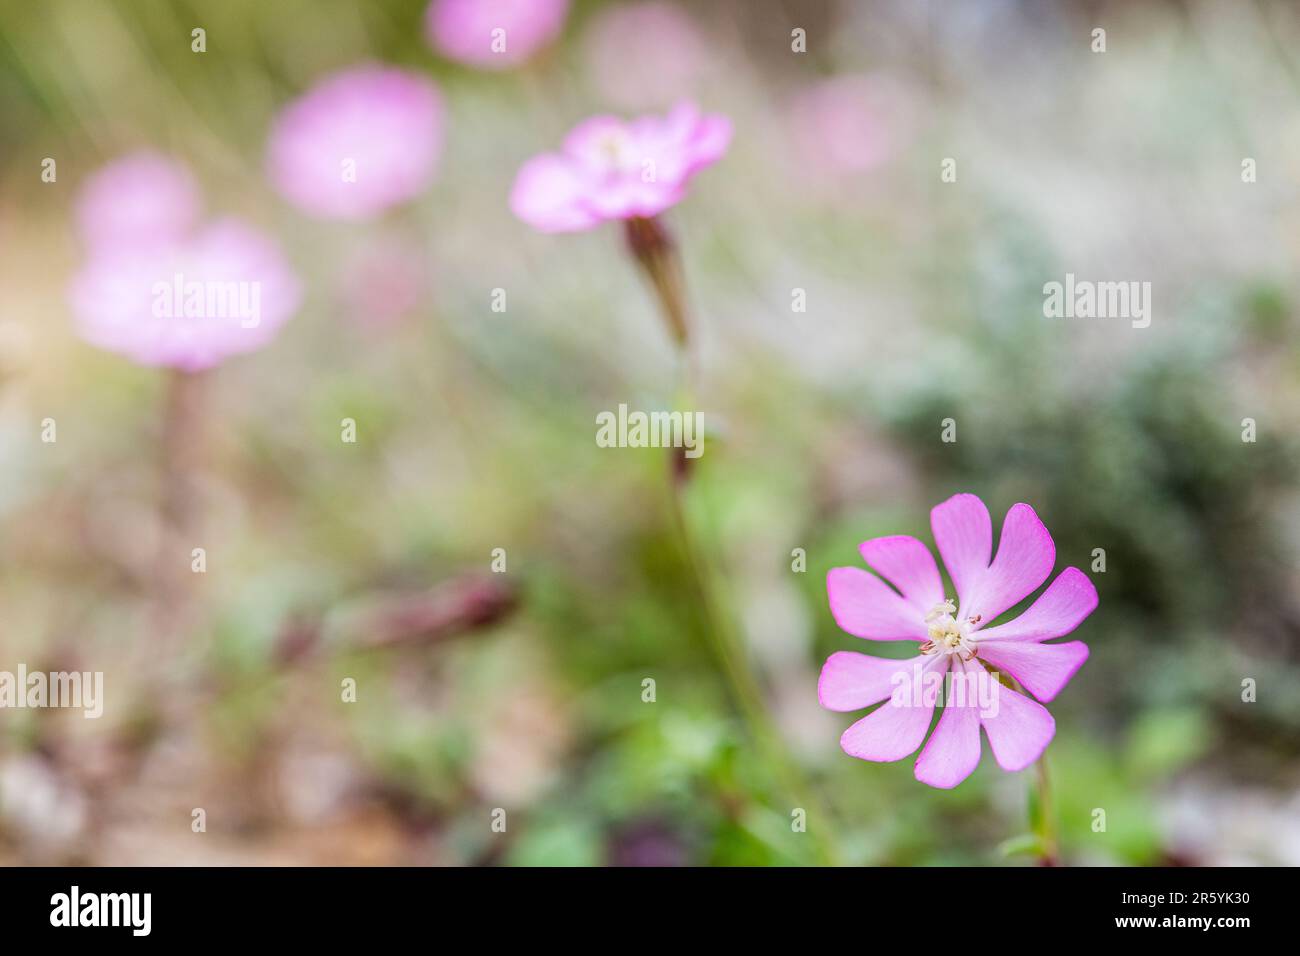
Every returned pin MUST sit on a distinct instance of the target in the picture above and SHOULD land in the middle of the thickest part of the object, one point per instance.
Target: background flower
(645, 55)
(139, 199)
(384, 281)
(609, 169)
(357, 143)
(117, 297)
(463, 30)
(849, 125)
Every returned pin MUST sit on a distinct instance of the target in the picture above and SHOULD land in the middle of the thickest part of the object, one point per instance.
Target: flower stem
(1043, 816)
(749, 696)
(182, 443)
(653, 248)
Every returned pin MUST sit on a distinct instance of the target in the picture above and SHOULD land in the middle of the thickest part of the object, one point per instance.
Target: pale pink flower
(188, 304)
(493, 34)
(609, 169)
(383, 282)
(139, 199)
(956, 640)
(647, 54)
(357, 143)
(849, 124)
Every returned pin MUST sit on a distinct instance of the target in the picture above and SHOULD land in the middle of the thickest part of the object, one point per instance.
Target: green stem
(1044, 821)
(653, 249)
(749, 696)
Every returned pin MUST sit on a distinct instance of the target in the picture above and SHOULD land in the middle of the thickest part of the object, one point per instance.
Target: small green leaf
(1027, 844)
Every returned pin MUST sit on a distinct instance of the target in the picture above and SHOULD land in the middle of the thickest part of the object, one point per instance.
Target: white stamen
(939, 610)
(947, 635)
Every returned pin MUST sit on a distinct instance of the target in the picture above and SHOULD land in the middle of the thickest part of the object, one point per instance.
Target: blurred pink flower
(957, 643)
(645, 54)
(384, 282)
(141, 198)
(610, 169)
(187, 304)
(358, 142)
(848, 124)
(493, 34)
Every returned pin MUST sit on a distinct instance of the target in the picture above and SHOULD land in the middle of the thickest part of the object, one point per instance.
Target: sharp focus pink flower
(139, 199)
(357, 143)
(610, 169)
(224, 290)
(956, 642)
(493, 34)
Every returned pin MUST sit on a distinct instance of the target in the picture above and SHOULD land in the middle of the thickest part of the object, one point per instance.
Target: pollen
(947, 634)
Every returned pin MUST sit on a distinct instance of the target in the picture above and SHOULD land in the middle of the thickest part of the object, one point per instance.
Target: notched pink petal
(908, 565)
(1042, 669)
(865, 606)
(963, 532)
(852, 681)
(1025, 557)
(1058, 611)
(1020, 730)
(892, 731)
(953, 752)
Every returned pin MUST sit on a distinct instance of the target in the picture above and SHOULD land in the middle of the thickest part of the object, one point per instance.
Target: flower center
(947, 634)
(614, 149)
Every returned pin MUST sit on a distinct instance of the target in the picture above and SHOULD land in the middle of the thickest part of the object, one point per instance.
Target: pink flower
(608, 169)
(645, 54)
(493, 34)
(849, 124)
(142, 198)
(384, 282)
(956, 642)
(187, 304)
(357, 143)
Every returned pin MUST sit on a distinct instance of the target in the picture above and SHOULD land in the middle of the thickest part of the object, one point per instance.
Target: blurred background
(522, 690)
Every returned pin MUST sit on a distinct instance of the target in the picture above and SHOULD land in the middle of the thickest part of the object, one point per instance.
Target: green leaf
(1027, 844)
